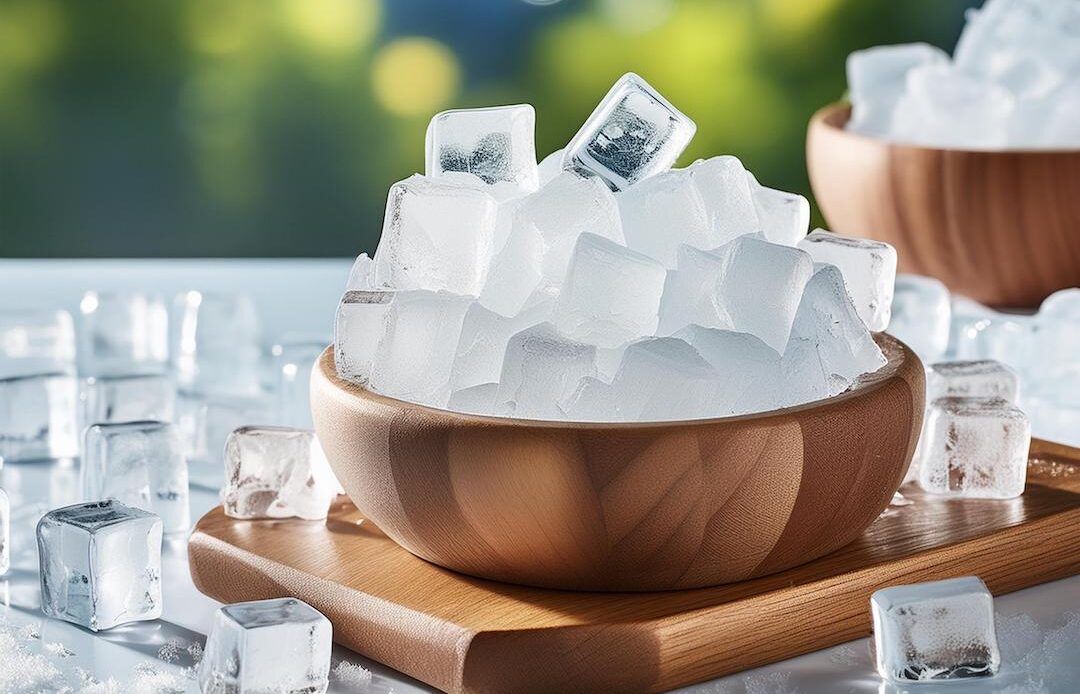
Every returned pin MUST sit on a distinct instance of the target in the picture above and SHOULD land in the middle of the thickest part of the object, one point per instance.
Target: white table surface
(299, 295)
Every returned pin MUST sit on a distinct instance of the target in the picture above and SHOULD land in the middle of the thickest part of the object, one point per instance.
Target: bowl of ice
(967, 164)
(605, 373)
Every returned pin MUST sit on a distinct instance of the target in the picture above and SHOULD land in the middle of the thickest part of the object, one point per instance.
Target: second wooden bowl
(998, 226)
(629, 506)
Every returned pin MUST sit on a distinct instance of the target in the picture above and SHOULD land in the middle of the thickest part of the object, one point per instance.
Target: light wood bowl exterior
(1001, 227)
(628, 506)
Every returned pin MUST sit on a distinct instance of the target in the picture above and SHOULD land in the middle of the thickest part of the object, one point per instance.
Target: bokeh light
(415, 76)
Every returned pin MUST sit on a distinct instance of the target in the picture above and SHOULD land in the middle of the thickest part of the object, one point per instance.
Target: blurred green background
(274, 127)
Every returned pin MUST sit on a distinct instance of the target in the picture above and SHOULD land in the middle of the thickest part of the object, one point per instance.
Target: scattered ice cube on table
(748, 370)
(1003, 337)
(278, 645)
(5, 533)
(100, 564)
(206, 423)
(482, 345)
(783, 217)
(140, 464)
(437, 234)
(921, 315)
(946, 107)
(611, 294)
(541, 370)
(941, 630)
(550, 167)
(971, 379)
(276, 472)
(868, 267)
(664, 378)
(122, 333)
(876, 79)
(294, 358)
(494, 144)
(38, 417)
(127, 399)
(632, 134)
(477, 399)
(725, 188)
(216, 346)
(974, 448)
(36, 342)
(358, 327)
(662, 212)
(362, 274)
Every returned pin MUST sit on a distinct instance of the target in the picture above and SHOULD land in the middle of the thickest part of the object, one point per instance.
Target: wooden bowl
(1000, 227)
(624, 506)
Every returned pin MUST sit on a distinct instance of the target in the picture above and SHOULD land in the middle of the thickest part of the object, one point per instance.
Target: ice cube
(974, 448)
(484, 334)
(415, 356)
(632, 134)
(611, 294)
(276, 472)
(1007, 338)
(782, 217)
(5, 533)
(362, 274)
(662, 212)
(971, 379)
(515, 272)
(876, 79)
(550, 167)
(1057, 333)
(494, 144)
(216, 349)
(941, 630)
(108, 399)
(278, 645)
(477, 399)
(592, 401)
(541, 370)
(140, 464)
(868, 267)
(724, 186)
(748, 370)
(206, 423)
(36, 342)
(437, 234)
(294, 358)
(921, 315)
(360, 324)
(692, 292)
(664, 378)
(100, 564)
(38, 417)
(122, 333)
(946, 107)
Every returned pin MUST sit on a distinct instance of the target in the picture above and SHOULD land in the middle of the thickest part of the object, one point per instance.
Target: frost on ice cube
(216, 345)
(278, 645)
(632, 134)
(494, 144)
(868, 267)
(540, 372)
(783, 217)
(748, 369)
(971, 379)
(5, 533)
(294, 358)
(358, 327)
(36, 342)
(140, 464)
(484, 334)
(726, 191)
(122, 333)
(108, 399)
(921, 315)
(664, 378)
(437, 234)
(362, 274)
(974, 448)
(662, 212)
(38, 417)
(415, 356)
(941, 630)
(100, 564)
(611, 294)
(876, 79)
(276, 472)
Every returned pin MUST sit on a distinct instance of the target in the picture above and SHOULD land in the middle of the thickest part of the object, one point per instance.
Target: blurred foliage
(275, 127)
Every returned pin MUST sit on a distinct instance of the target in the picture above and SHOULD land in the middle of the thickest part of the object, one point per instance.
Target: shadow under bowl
(624, 506)
(998, 226)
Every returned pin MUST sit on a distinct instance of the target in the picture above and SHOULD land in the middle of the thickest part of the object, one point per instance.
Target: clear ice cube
(216, 345)
(662, 212)
(140, 464)
(921, 315)
(278, 645)
(206, 423)
(494, 144)
(975, 448)
(876, 79)
(941, 630)
(748, 369)
(100, 564)
(5, 533)
(611, 294)
(122, 333)
(868, 267)
(725, 188)
(107, 399)
(1057, 333)
(664, 378)
(783, 217)
(35, 342)
(541, 370)
(971, 379)
(632, 134)
(358, 327)
(1008, 338)
(38, 417)
(437, 234)
(482, 345)
(362, 274)
(276, 472)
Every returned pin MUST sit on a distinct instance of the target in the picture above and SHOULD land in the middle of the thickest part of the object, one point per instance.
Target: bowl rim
(897, 355)
(834, 116)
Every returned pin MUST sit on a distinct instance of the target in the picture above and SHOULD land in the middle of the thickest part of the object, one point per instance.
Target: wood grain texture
(463, 634)
(630, 506)
(1000, 227)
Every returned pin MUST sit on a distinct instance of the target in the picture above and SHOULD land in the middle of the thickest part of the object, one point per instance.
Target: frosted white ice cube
(782, 217)
(35, 342)
(479, 355)
(974, 448)
(276, 472)
(541, 370)
(921, 315)
(869, 269)
(107, 399)
(437, 234)
(662, 212)
(477, 399)
(278, 645)
(692, 292)
(100, 564)
(664, 378)
(216, 345)
(549, 167)
(748, 370)
(494, 144)
(5, 533)
(515, 272)
(611, 294)
(122, 333)
(876, 79)
(358, 327)
(971, 379)
(362, 274)
(294, 358)
(941, 630)
(140, 464)
(725, 188)
(38, 417)
(946, 107)
(592, 401)
(633, 133)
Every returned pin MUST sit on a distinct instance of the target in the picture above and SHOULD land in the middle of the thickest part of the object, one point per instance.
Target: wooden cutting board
(463, 634)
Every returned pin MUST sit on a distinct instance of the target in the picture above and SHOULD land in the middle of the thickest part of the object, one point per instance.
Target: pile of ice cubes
(603, 284)
(1012, 82)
